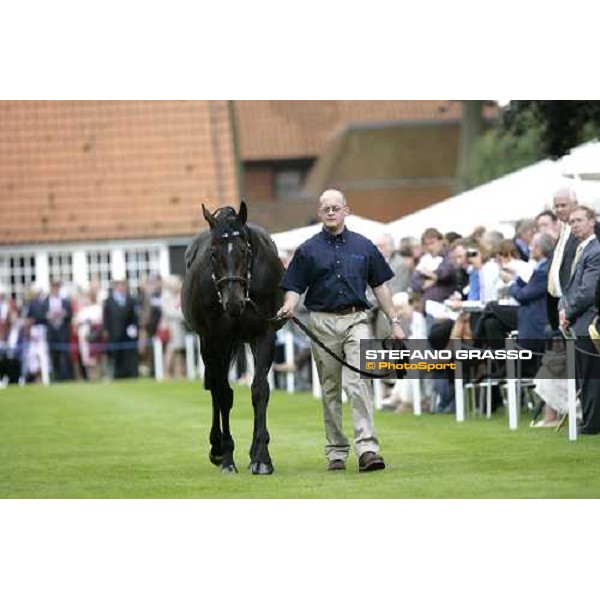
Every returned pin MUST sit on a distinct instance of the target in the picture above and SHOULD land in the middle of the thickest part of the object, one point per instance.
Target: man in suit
(564, 252)
(531, 295)
(58, 314)
(577, 311)
(560, 268)
(121, 326)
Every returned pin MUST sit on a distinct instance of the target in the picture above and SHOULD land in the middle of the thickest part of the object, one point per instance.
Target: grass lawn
(140, 439)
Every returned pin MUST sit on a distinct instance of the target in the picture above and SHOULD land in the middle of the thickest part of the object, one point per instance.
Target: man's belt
(346, 310)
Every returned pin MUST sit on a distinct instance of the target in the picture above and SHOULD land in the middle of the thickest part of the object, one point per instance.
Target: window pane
(141, 265)
(288, 184)
(61, 267)
(99, 267)
(17, 272)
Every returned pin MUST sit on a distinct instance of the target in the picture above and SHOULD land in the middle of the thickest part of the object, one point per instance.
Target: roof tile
(82, 170)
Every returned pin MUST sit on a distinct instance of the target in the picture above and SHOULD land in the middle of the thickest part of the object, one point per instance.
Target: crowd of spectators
(70, 333)
(499, 287)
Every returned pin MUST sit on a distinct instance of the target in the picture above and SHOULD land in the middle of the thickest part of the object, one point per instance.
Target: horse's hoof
(260, 468)
(229, 469)
(215, 460)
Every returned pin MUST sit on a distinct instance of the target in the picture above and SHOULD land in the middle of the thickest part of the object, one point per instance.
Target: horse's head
(230, 256)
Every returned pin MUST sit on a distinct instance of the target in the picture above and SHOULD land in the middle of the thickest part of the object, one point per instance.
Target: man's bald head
(333, 210)
(333, 195)
(564, 200)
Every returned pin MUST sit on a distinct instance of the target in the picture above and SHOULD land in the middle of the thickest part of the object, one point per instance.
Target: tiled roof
(297, 128)
(84, 170)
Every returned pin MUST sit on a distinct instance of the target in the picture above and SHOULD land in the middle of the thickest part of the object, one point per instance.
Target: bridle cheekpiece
(246, 280)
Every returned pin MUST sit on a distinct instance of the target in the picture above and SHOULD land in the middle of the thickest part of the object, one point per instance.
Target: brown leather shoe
(336, 465)
(369, 461)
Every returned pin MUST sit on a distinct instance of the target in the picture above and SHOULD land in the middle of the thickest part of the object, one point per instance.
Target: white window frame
(23, 276)
(141, 263)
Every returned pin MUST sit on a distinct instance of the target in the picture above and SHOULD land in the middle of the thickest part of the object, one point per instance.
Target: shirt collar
(331, 238)
(587, 241)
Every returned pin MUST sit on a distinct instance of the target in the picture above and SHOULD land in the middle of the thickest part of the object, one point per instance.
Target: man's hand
(286, 311)
(397, 332)
(290, 302)
(562, 319)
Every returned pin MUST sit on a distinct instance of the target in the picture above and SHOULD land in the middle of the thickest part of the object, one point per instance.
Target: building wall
(258, 182)
(87, 170)
(388, 205)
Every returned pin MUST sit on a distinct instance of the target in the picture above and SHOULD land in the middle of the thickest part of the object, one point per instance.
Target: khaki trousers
(342, 335)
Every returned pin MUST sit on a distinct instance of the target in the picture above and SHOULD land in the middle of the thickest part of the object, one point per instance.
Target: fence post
(157, 347)
(45, 363)
(571, 389)
(190, 363)
(271, 378)
(200, 365)
(289, 359)
(459, 392)
(416, 394)
(511, 388)
(377, 393)
(249, 363)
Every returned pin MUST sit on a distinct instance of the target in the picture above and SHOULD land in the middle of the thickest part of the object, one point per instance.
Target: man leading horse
(335, 267)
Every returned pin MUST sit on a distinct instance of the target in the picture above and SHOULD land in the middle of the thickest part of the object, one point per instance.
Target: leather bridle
(226, 278)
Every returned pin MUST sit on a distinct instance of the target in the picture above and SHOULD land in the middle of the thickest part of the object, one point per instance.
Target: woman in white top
(173, 322)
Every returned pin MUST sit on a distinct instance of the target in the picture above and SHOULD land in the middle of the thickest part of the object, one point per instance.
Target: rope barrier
(132, 345)
(519, 347)
(581, 351)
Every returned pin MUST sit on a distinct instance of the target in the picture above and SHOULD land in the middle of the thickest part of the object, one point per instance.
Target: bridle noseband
(245, 280)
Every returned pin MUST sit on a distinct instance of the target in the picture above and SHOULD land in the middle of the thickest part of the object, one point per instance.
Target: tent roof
(521, 194)
(288, 241)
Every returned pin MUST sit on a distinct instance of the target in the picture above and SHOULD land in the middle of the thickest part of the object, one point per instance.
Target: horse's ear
(209, 218)
(243, 212)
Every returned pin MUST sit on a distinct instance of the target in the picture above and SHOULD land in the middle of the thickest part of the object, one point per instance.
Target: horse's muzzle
(235, 307)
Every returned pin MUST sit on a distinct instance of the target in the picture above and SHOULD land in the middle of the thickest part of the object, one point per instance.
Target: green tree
(471, 127)
(529, 131)
(500, 151)
(563, 123)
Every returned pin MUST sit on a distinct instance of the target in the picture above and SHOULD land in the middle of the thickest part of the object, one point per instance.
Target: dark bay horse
(230, 290)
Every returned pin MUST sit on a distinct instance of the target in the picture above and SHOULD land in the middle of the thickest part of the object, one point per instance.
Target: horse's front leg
(215, 380)
(225, 397)
(263, 350)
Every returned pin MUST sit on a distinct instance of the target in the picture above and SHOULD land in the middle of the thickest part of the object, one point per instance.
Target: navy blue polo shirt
(336, 269)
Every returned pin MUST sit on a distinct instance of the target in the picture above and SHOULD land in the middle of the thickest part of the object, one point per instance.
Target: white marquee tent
(522, 194)
(287, 241)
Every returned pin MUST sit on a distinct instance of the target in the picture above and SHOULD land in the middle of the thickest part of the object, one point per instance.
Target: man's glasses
(330, 209)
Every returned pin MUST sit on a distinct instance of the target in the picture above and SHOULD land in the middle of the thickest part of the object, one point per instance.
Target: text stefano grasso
(471, 354)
